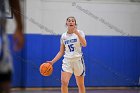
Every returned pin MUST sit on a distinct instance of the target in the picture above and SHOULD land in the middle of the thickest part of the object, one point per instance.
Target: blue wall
(110, 61)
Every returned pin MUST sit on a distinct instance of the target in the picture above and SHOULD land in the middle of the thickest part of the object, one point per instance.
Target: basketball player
(5, 58)
(71, 44)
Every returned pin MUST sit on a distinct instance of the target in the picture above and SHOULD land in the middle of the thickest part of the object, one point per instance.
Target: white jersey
(5, 56)
(72, 44)
(6, 61)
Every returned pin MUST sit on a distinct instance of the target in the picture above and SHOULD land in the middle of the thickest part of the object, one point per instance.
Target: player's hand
(50, 62)
(18, 38)
(75, 31)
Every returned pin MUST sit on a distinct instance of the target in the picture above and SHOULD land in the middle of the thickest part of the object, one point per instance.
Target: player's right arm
(59, 54)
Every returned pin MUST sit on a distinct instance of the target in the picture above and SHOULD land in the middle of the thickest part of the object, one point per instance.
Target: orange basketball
(46, 69)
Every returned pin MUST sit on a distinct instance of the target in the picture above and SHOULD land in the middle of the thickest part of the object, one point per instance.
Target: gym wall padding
(110, 61)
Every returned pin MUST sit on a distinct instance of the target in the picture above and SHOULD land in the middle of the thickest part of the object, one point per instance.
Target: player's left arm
(81, 38)
(18, 35)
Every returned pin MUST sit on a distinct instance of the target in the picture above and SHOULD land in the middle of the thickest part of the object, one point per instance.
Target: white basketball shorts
(74, 65)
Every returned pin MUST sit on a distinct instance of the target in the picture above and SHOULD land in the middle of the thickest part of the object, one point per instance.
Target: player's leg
(5, 87)
(80, 83)
(65, 77)
(5, 82)
(79, 72)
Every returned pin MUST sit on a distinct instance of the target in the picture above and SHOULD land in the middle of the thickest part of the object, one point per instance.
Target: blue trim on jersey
(62, 70)
(1, 43)
(83, 73)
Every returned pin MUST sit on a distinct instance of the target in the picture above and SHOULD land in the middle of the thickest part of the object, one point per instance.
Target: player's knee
(64, 83)
(80, 84)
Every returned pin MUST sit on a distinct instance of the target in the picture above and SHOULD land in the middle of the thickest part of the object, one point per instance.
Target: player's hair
(73, 18)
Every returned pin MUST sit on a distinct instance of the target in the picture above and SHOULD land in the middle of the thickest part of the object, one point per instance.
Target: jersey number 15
(71, 47)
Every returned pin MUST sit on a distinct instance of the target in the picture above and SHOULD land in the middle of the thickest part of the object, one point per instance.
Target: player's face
(71, 23)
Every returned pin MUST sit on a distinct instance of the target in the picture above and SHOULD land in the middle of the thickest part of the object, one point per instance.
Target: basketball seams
(46, 69)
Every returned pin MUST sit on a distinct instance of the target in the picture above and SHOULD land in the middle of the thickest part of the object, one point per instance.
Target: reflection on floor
(75, 90)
